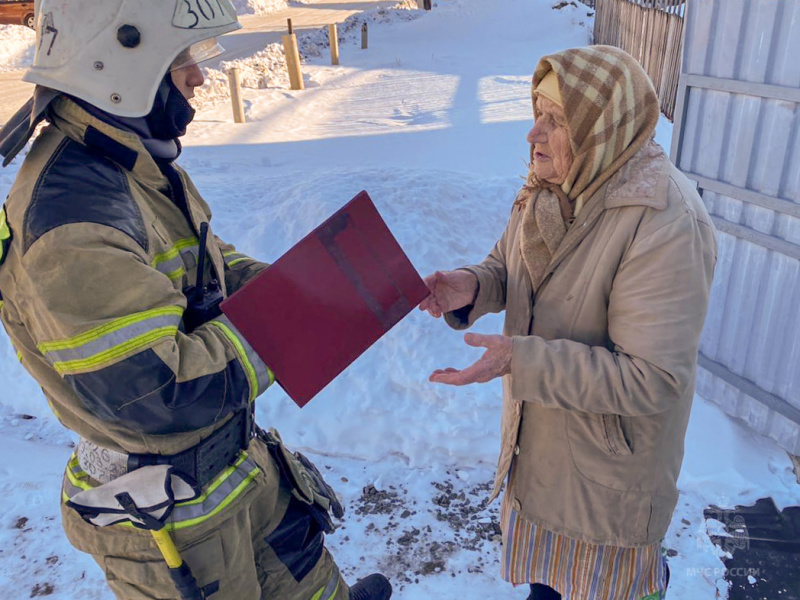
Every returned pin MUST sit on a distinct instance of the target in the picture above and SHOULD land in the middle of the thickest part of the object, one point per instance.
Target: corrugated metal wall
(737, 134)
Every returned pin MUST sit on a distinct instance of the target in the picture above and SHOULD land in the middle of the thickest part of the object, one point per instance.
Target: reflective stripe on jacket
(219, 493)
(102, 245)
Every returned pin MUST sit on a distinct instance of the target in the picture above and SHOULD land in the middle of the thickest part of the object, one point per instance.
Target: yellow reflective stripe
(107, 328)
(74, 466)
(73, 367)
(318, 595)
(5, 231)
(326, 593)
(53, 408)
(77, 482)
(174, 251)
(252, 378)
(229, 470)
(230, 498)
(78, 479)
(176, 274)
(73, 477)
(233, 257)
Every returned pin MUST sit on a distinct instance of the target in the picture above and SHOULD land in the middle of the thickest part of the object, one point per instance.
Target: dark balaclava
(171, 112)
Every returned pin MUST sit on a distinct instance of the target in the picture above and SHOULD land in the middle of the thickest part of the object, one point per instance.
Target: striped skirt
(578, 570)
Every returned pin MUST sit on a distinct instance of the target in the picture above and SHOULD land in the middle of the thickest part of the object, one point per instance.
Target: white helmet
(114, 53)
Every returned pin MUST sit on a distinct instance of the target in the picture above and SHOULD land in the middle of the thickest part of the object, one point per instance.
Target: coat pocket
(601, 452)
(616, 442)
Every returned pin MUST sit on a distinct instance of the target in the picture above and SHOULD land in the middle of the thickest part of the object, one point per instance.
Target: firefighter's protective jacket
(98, 245)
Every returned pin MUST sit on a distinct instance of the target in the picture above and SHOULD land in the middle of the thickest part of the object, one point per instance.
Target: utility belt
(203, 462)
(200, 463)
(157, 487)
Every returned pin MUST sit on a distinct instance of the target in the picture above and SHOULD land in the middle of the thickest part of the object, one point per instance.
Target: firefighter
(111, 279)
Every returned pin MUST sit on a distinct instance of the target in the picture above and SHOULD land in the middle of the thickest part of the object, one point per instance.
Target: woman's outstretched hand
(450, 290)
(495, 362)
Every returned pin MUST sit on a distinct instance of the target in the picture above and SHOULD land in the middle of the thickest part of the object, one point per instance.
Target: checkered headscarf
(612, 111)
(611, 108)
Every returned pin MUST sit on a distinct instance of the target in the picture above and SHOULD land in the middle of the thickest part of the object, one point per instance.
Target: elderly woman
(604, 272)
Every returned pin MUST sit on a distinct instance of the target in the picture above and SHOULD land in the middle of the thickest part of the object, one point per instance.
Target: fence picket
(650, 31)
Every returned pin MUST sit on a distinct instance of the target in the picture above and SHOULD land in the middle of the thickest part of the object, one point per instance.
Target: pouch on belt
(145, 497)
(154, 491)
(306, 481)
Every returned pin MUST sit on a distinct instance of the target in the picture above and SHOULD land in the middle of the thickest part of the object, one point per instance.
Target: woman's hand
(495, 362)
(450, 290)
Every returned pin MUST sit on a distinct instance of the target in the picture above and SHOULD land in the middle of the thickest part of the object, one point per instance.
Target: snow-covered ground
(431, 121)
(258, 7)
(16, 47)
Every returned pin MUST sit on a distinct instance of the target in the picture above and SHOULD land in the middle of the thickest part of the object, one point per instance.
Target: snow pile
(267, 69)
(349, 30)
(258, 7)
(580, 14)
(17, 47)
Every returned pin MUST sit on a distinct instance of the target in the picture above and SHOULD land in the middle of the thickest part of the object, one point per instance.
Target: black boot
(372, 587)
(543, 592)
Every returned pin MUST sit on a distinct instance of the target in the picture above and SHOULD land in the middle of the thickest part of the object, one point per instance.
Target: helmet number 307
(203, 14)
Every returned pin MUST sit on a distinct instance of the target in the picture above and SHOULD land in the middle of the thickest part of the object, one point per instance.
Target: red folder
(323, 303)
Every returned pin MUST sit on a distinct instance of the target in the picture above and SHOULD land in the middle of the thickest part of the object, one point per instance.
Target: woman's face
(552, 152)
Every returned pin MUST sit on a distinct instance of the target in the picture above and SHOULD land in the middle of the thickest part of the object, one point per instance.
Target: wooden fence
(651, 31)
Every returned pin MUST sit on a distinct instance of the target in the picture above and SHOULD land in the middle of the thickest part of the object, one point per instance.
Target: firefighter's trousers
(258, 541)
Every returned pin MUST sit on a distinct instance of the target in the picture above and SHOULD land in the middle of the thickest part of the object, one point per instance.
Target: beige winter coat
(604, 361)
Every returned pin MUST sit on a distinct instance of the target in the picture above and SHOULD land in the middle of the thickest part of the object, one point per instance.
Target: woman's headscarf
(612, 111)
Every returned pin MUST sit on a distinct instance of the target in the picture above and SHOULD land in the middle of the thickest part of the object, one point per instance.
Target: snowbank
(17, 47)
(258, 7)
(267, 69)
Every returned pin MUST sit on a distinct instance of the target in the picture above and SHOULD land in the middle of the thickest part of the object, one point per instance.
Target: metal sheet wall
(738, 134)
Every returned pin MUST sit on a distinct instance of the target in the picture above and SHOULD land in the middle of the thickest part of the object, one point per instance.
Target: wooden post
(293, 62)
(364, 36)
(289, 25)
(333, 37)
(236, 95)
